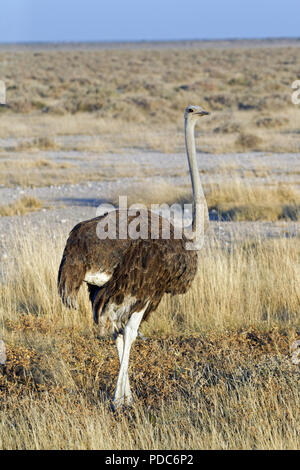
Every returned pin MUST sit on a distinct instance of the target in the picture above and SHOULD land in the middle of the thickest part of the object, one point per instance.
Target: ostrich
(126, 277)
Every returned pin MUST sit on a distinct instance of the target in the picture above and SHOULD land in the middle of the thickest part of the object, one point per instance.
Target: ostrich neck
(200, 213)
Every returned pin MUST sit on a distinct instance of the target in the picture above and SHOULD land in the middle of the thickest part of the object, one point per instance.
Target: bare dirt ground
(67, 204)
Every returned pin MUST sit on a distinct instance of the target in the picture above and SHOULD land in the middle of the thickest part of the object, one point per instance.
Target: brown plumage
(142, 270)
(128, 277)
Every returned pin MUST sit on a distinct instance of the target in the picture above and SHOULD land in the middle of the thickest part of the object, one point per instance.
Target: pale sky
(117, 20)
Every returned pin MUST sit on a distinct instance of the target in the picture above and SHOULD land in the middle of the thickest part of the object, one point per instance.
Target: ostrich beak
(203, 113)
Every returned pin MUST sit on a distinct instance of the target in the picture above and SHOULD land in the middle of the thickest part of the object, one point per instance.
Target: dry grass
(158, 192)
(23, 170)
(224, 381)
(215, 371)
(237, 201)
(136, 97)
(40, 143)
(248, 141)
(240, 201)
(21, 207)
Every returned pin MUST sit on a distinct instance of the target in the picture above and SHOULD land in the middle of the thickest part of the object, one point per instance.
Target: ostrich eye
(191, 110)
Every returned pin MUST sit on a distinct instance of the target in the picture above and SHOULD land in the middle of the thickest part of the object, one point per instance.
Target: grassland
(224, 380)
(214, 371)
(136, 97)
(132, 100)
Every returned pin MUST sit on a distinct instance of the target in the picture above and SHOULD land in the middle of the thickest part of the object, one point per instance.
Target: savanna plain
(88, 123)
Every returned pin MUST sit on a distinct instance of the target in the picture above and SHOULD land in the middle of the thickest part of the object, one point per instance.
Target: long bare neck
(200, 212)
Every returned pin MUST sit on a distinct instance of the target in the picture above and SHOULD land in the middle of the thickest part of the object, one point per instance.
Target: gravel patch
(66, 205)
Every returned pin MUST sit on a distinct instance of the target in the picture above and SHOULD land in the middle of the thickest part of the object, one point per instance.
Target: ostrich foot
(122, 404)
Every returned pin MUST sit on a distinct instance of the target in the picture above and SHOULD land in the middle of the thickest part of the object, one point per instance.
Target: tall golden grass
(238, 200)
(214, 372)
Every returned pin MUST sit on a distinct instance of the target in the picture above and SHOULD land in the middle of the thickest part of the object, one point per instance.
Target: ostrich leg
(130, 333)
(120, 347)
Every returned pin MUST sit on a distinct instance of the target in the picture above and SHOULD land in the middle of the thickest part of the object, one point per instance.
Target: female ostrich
(127, 277)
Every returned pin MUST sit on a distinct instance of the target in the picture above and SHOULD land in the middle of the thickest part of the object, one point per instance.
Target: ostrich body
(127, 277)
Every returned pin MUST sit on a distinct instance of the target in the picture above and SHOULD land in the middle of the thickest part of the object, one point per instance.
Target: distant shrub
(228, 128)
(248, 141)
(271, 122)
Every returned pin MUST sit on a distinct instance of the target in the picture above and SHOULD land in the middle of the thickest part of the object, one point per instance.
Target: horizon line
(135, 41)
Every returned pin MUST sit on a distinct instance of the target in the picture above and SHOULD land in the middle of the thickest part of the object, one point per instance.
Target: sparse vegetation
(248, 142)
(41, 143)
(21, 207)
(214, 371)
(135, 97)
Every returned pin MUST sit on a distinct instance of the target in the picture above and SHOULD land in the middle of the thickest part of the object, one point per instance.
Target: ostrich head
(295, 349)
(193, 113)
